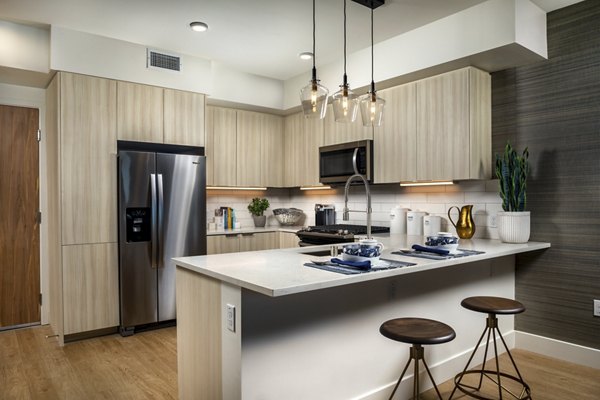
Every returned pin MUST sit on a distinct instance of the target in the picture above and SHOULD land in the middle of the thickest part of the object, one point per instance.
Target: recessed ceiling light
(307, 55)
(198, 26)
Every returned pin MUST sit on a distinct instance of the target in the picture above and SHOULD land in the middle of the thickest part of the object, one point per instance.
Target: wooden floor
(144, 366)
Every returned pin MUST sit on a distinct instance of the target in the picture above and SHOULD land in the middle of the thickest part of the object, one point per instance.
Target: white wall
(24, 47)
(436, 200)
(35, 98)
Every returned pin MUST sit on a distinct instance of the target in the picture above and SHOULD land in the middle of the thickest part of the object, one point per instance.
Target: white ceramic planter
(514, 226)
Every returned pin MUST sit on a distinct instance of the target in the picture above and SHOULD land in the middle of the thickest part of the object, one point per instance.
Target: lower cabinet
(90, 287)
(236, 242)
(288, 240)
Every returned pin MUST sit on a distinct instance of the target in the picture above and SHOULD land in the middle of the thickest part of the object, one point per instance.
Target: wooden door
(248, 145)
(19, 228)
(223, 146)
(272, 149)
(139, 112)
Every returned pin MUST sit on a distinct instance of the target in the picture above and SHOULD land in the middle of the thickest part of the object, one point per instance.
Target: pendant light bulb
(371, 105)
(345, 102)
(313, 96)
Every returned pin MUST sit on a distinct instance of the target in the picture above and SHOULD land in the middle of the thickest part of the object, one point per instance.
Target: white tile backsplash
(435, 200)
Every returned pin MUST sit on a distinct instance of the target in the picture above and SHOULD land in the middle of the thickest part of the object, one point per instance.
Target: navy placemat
(353, 271)
(432, 256)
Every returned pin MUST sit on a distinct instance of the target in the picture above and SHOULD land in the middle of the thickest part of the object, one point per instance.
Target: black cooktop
(346, 229)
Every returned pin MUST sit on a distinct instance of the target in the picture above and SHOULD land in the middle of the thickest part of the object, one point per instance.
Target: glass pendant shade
(345, 105)
(371, 109)
(314, 99)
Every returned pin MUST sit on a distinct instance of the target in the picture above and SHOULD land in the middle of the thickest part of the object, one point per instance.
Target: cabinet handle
(231, 235)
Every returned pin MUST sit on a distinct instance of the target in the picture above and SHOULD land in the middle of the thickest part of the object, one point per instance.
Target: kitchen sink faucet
(346, 214)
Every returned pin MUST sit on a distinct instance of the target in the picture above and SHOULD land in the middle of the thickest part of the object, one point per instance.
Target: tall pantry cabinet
(85, 118)
(81, 144)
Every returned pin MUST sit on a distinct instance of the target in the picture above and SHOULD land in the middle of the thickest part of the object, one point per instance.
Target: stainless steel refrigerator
(162, 214)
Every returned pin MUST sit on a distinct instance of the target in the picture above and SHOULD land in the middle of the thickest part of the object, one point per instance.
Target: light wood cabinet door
(454, 126)
(88, 159)
(248, 145)
(288, 240)
(337, 132)
(90, 287)
(183, 118)
(139, 112)
(222, 153)
(272, 149)
(302, 139)
(293, 131)
(219, 244)
(259, 241)
(395, 141)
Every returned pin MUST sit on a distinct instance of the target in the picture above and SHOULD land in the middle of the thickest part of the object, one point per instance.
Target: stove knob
(345, 232)
(340, 231)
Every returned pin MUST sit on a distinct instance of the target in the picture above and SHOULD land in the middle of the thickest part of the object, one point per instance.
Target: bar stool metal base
(490, 329)
(416, 354)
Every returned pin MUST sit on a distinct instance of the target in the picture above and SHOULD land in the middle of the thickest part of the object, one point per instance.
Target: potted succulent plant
(257, 208)
(512, 170)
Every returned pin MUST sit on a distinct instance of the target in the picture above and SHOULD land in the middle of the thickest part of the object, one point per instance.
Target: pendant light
(371, 105)
(314, 96)
(345, 102)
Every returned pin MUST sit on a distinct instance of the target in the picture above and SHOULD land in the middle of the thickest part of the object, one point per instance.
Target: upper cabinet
(243, 148)
(221, 146)
(153, 114)
(454, 126)
(395, 141)
(139, 112)
(183, 118)
(88, 151)
(302, 140)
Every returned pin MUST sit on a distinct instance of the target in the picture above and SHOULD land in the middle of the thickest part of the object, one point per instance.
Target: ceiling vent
(158, 60)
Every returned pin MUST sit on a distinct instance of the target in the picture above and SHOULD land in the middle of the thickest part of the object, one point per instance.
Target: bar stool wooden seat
(417, 332)
(491, 306)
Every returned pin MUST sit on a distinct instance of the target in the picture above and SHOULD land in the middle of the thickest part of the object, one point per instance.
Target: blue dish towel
(363, 265)
(430, 250)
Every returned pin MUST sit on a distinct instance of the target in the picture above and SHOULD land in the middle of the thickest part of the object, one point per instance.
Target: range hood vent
(157, 60)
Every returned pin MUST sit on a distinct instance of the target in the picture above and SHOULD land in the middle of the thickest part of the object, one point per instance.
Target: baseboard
(441, 371)
(565, 351)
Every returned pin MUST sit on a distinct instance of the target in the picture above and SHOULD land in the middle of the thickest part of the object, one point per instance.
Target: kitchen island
(261, 325)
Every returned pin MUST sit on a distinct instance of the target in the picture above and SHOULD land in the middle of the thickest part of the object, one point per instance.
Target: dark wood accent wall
(553, 107)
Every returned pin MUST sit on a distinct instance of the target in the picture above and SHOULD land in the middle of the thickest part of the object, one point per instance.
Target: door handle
(161, 213)
(154, 242)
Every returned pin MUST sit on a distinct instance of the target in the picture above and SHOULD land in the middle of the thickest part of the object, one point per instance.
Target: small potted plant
(257, 208)
(512, 170)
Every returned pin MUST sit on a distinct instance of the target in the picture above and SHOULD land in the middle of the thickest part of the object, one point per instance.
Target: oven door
(339, 162)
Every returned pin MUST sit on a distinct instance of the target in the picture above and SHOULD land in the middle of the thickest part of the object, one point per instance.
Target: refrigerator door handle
(161, 213)
(154, 243)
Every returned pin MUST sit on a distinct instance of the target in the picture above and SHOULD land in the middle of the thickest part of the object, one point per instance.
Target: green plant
(258, 206)
(512, 171)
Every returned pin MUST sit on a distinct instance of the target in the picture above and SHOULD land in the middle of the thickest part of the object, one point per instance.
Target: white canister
(432, 224)
(414, 222)
(398, 220)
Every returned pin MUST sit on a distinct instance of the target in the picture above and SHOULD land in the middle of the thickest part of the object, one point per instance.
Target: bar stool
(492, 306)
(417, 331)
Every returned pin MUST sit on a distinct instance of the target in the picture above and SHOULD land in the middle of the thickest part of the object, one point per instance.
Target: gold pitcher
(465, 227)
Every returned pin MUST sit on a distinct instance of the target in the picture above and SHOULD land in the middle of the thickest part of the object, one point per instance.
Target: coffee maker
(324, 214)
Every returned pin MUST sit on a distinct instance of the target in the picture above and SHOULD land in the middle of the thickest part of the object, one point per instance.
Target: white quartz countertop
(280, 228)
(282, 272)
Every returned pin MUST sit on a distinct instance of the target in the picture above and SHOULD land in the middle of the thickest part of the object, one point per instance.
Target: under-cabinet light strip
(234, 188)
(315, 187)
(432, 183)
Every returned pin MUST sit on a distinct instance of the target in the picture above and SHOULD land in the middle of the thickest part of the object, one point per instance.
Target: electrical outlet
(493, 221)
(231, 317)
(596, 308)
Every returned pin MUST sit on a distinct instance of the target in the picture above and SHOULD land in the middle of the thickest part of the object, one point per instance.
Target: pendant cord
(372, 53)
(314, 34)
(344, 37)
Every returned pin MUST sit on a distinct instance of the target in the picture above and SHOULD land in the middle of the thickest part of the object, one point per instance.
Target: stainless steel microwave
(338, 162)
